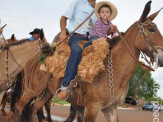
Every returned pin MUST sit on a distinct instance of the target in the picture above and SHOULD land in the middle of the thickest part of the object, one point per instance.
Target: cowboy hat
(36, 30)
(111, 5)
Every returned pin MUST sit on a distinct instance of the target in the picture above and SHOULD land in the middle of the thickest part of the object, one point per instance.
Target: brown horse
(143, 36)
(8, 41)
(17, 56)
(7, 93)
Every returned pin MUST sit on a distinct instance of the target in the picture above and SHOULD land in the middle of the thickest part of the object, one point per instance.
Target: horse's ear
(151, 17)
(145, 12)
(12, 37)
(41, 34)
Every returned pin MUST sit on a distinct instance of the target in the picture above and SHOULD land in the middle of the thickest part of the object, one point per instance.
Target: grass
(59, 101)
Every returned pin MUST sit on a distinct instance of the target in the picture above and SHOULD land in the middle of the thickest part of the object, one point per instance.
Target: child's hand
(113, 28)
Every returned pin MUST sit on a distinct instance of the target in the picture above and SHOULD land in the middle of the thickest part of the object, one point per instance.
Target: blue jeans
(74, 59)
(90, 41)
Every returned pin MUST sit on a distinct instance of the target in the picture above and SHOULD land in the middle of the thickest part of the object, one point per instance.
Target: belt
(78, 34)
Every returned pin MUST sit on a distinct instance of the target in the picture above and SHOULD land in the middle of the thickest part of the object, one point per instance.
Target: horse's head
(12, 39)
(149, 39)
(44, 45)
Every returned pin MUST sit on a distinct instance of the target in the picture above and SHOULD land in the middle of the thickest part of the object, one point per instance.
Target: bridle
(153, 49)
(7, 62)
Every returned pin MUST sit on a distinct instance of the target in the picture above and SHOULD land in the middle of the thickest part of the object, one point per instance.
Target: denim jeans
(74, 59)
(90, 41)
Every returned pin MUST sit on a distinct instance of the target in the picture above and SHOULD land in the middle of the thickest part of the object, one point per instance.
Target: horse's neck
(24, 52)
(123, 63)
(18, 56)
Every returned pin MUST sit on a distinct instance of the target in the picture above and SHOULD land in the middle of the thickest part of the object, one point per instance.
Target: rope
(28, 78)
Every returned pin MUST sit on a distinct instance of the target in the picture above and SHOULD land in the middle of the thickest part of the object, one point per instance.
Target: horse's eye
(151, 30)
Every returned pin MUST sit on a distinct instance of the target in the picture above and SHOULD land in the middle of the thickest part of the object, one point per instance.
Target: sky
(22, 16)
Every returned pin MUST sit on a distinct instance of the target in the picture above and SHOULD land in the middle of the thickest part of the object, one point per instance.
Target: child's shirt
(100, 28)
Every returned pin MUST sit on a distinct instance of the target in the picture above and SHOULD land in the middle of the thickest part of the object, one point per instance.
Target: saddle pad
(91, 63)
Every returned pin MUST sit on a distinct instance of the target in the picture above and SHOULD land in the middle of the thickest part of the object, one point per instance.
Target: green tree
(148, 88)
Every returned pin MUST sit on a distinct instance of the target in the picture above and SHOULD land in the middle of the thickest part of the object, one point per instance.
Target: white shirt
(77, 12)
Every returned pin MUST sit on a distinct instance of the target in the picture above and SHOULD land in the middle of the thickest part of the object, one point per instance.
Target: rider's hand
(1, 30)
(62, 36)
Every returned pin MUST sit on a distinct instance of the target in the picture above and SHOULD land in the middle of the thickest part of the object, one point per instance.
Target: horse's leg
(114, 116)
(47, 107)
(15, 116)
(73, 111)
(91, 112)
(110, 117)
(4, 101)
(26, 113)
(40, 114)
(80, 114)
(38, 104)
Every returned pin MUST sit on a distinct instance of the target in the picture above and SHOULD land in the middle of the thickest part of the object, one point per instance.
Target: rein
(60, 42)
(7, 62)
(140, 63)
(110, 69)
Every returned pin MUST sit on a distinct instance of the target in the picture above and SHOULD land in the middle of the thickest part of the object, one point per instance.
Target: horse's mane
(129, 28)
(18, 43)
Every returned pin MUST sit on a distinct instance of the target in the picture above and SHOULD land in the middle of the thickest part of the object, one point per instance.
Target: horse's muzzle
(160, 58)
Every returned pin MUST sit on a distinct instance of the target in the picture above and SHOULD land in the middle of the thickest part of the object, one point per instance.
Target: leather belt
(78, 34)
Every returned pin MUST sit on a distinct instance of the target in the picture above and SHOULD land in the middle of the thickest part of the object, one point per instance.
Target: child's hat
(112, 6)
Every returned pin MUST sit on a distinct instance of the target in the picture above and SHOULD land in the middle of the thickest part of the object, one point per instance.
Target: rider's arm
(63, 23)
(1, 30)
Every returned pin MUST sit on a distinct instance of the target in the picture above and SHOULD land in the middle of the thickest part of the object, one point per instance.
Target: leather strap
(140, 63)
(75, 29)
(72, 84)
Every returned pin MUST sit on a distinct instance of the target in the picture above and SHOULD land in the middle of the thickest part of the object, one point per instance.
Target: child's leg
(90, 41)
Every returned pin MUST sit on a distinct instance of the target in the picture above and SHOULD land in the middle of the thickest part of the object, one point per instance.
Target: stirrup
(65, 90)
(75, 84)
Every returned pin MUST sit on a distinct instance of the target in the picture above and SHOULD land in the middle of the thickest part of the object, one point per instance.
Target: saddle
(91, 62)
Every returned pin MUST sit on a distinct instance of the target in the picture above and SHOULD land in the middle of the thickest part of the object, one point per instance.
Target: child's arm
(112, 31)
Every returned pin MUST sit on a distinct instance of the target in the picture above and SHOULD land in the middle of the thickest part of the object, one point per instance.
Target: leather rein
(153, 49)
(7, 62)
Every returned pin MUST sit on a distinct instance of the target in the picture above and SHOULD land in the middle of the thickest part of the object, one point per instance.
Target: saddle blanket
(92, 61)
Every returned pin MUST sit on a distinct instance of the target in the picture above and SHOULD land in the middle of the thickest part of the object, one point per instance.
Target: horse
(8, 41)
(19, 53)
(14, 50)
(7, 93)
(105, 92)
(17, 57)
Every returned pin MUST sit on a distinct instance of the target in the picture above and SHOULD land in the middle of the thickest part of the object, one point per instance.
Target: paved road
(125, 115)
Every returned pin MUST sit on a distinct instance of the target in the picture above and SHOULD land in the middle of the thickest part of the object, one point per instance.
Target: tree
(148, 88)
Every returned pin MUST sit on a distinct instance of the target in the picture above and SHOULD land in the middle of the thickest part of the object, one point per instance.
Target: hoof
(43, 120)
(49, 120)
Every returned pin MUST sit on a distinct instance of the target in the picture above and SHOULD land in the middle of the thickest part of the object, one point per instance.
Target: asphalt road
(59, 113)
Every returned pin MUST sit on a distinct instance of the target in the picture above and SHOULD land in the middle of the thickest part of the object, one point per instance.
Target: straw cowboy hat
(36, 30)
(112, 6)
